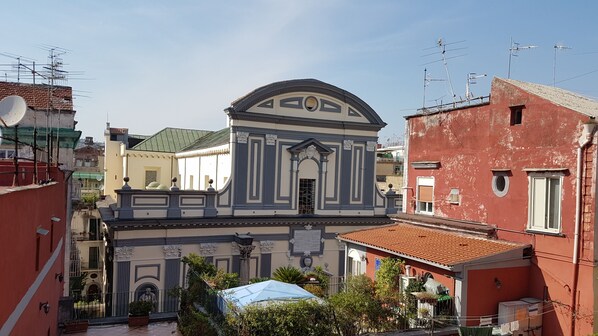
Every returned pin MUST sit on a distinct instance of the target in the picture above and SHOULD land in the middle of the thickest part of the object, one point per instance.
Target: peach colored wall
(483, 295)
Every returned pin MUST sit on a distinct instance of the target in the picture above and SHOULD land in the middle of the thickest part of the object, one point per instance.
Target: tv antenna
(557, 47)
(441, 45)
(427, 80)
(514, 50)
(471, 79)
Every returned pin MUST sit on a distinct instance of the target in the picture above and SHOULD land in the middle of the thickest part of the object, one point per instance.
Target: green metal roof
(170, 140)
(88, 175)
(68, 137)
(213, 139)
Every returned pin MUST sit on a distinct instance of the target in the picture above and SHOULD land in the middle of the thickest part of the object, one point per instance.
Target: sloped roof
(213, 139)
(558, 96)
(430, 245)
(265, 291)
(170, 140)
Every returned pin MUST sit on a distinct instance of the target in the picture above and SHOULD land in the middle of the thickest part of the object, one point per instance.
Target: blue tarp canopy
(262, 292)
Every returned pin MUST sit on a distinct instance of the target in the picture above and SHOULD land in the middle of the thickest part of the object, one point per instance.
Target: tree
(388, 281)
(357, 309)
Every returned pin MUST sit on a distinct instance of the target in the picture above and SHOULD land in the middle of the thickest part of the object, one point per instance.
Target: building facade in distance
(301, 170)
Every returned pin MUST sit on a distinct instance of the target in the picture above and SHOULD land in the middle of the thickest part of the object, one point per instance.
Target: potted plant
(139, 313)
(75, 326)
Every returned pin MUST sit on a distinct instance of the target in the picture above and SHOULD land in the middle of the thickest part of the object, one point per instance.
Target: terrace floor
(163, 328)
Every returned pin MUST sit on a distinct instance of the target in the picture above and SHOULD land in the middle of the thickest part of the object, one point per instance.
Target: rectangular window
(545, 204)
(94, 229)
(425, 195)
(307, 191)
(516, 115)
(190, 182)
(151, 176)
(94, 257)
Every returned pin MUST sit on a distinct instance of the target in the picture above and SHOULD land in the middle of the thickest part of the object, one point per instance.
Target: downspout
(405, 186)
(584, 139)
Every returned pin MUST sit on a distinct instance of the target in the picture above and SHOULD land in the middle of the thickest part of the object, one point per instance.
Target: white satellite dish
(12, 110)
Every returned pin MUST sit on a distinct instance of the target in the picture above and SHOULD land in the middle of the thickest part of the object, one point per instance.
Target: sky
(146, 65)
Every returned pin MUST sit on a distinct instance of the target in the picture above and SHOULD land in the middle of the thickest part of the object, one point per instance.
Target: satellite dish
(12, 110)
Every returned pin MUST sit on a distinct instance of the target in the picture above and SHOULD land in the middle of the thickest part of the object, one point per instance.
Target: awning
(88, 176)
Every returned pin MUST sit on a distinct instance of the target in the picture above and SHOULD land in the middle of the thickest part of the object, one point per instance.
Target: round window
(500, 185)
(311, 103)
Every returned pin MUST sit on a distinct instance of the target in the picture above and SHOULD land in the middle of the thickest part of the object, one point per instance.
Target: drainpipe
(405, 189)
(584, 140)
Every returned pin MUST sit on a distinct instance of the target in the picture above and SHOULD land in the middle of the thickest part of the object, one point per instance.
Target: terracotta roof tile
(433, 245)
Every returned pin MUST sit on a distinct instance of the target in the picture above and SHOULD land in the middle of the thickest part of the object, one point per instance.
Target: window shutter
(425, 193)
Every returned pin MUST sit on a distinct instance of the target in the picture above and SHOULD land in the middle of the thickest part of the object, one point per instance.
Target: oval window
(311, 103)
(500, 185)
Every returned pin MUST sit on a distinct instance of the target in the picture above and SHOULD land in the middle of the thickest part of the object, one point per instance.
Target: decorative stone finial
(174, 186)
(126, 185)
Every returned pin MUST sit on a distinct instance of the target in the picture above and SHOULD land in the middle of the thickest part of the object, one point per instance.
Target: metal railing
(93, 306)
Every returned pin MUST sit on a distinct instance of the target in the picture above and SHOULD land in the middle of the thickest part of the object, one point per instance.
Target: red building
(525, 164)
(32, 244)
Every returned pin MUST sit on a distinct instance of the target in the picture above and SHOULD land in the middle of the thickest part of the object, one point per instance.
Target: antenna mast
(442, 47)
(471, 79)
(427, 81)
(557, 47)
(513, 50)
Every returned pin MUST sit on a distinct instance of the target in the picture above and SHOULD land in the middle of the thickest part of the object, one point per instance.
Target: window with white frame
(545, 203)
(425, 195)
(357, 263)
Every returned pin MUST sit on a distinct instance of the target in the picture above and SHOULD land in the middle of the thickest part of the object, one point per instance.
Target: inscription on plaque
(307, 241)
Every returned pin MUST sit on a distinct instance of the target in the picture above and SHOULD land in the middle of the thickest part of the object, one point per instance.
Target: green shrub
(316, 290)
(194, 323)
(301, 318)
(140, 308)
(222, 280)
(288, 274)
(388, 281)
(357, 309)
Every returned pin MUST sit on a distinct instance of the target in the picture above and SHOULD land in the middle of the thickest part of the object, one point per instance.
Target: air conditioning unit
(522, 317)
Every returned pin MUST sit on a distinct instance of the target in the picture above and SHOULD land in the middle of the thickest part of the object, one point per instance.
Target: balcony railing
(93, 306)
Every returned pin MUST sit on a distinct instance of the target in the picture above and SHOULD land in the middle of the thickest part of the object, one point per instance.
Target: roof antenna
(471, 79)
(557, 47)
(442, 47)
(513, 50)
(427, 81)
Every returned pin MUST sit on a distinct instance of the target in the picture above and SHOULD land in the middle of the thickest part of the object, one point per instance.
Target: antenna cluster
(13, 108)
(443, 48)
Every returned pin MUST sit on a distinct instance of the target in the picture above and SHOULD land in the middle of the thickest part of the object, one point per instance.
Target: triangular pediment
(320, 147)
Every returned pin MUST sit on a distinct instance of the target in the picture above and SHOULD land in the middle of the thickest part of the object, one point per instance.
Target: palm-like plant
(288, 274)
